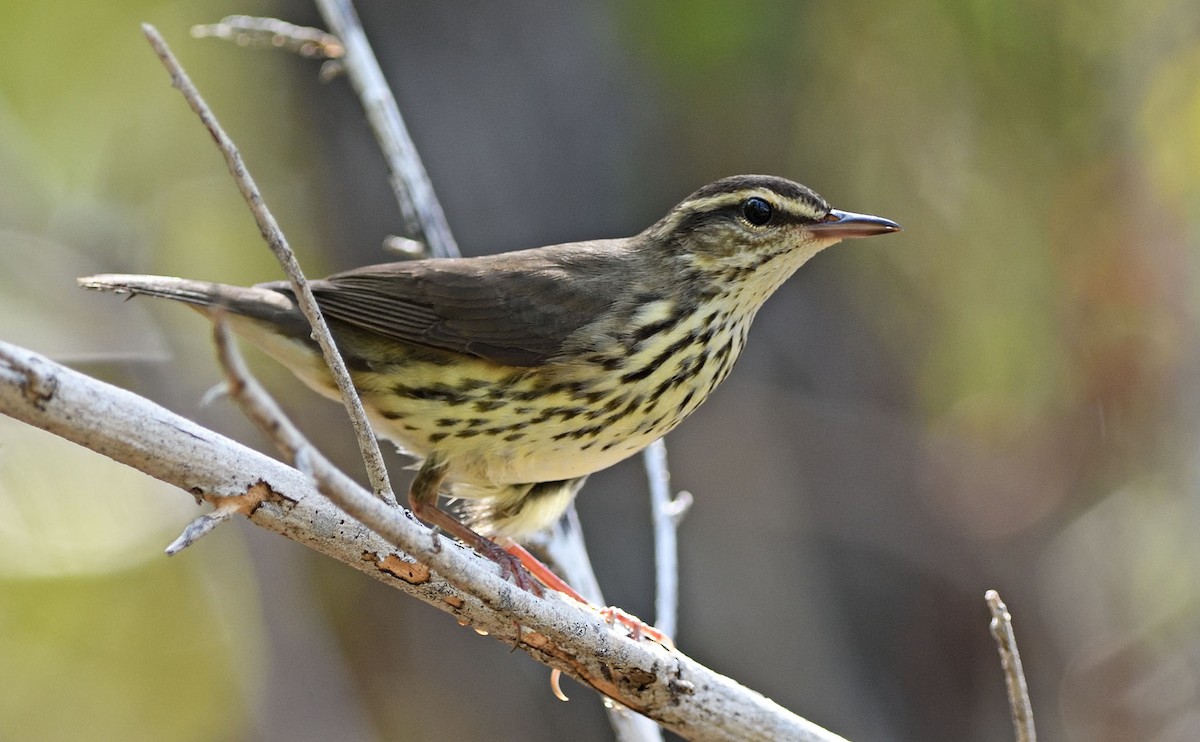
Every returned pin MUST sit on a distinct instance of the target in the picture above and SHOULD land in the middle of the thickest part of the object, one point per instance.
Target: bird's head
(756, 227)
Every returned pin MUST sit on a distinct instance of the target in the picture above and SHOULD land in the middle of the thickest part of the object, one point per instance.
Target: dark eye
(757, 211)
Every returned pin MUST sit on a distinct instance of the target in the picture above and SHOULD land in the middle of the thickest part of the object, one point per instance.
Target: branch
(273, 235)
(669, 687)
(246, 30)
(349, 52)
(1010, 662)
(419, 206)
(666, 512)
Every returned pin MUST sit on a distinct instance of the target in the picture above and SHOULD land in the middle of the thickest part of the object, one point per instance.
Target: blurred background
(1002, 396)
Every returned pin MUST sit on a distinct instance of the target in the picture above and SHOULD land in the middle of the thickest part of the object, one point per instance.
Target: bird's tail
(208, 298)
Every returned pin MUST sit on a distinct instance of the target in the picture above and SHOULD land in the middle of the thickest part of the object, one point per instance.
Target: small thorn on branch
(214, 393)
(197, 529)
(39, 384)
(677, 507)
(224, 508)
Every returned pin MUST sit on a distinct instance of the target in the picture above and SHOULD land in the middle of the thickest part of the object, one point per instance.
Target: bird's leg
(636, 626)
(422, 498)
(523, 568)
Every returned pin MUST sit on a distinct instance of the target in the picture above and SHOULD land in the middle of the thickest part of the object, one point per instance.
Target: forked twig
(269, 228)
(666, 512)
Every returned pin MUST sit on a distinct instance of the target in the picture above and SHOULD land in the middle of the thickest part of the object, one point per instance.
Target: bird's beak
(841, 225)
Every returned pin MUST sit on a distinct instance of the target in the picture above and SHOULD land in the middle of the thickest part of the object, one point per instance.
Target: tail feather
(206, 297)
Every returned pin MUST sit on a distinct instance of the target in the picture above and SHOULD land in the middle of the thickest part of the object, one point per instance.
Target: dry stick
(246, 30)
(683, 695)
(1010, 662)
(666, 513)
(269, 228)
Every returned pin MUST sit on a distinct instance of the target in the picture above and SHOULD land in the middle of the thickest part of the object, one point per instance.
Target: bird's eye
(757, 211)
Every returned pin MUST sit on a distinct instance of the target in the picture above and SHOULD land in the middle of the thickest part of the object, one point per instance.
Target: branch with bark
(667, 686)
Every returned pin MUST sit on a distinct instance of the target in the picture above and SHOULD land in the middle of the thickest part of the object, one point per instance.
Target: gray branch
(419, 207)
(667, 686)
(274, 237)
(1014, 674)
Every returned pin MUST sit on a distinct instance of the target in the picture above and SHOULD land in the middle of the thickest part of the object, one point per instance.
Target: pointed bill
(846, 224)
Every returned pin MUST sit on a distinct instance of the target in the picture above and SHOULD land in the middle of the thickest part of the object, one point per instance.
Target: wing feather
(516, 309)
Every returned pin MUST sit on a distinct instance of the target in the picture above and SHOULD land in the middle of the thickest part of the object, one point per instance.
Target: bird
(512, 377)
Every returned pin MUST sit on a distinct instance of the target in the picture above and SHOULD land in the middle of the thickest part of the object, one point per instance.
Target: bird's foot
(513, 567)
(637, 628)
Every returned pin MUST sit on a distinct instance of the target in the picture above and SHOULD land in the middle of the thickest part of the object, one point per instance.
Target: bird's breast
(502, 425)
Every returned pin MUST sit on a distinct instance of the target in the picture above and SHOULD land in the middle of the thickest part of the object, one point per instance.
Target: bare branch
(372, 458)
(1014, 673)
(224, 508)
(419, 207)
(246, 30)
(665, 513)
(669, 687)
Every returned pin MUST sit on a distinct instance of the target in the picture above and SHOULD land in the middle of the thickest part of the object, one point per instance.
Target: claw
(638, 629)
(532, 566)
(514, 569)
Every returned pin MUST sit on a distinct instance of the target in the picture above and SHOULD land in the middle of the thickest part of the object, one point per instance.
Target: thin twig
(261, 408)
(1014, 673)
(419, 207)
(246, 30)
(665, 515)
(274, 237)
(224, 508)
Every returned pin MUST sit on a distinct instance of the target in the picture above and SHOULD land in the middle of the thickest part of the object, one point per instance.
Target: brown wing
(515, 308)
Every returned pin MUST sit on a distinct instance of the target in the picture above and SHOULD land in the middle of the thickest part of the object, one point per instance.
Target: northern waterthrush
(514, 376)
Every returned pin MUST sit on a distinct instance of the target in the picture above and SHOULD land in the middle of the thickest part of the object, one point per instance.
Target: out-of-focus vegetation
(1003, 396)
